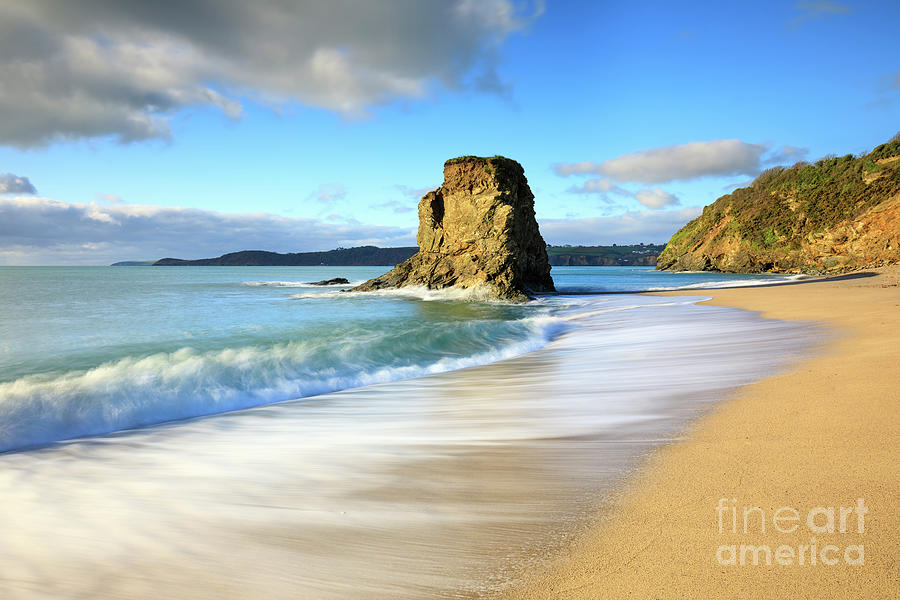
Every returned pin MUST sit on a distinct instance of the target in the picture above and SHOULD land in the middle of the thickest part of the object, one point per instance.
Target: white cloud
(630, 227)
(716, 158)
(122, 68)
(13, 184)
(45, 231)
(671, 163)
(93, 212)
(656, 198)
(110, 198)
(598, 186)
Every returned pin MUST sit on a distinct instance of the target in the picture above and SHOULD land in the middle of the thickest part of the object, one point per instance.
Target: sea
(236, 432)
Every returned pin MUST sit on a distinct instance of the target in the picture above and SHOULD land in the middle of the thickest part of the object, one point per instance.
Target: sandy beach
(445, 485)
(812, 452)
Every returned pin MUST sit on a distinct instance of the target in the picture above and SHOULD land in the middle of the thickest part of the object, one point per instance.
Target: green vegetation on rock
(839, 213)
(485, 159)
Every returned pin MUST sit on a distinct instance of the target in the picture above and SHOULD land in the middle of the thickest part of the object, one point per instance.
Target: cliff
(836, 215)
(477, 230)
(359, 256)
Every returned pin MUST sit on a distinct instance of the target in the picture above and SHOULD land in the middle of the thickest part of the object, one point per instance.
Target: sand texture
(823, 434)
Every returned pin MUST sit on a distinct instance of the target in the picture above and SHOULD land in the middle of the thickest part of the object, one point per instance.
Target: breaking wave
(415, 292)
(144, 390)
(299, 284)
(729, 283)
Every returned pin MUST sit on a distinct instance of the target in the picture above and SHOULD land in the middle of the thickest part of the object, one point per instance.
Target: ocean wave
(415, 292)
(730, 283)
(586, 311)
(139, 391)
(299, 284)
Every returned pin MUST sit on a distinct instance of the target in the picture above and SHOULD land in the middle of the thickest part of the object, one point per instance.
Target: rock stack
(477, 230)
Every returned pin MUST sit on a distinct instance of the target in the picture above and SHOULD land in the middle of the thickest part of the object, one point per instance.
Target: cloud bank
(717, 158)
(36, 231)
(656, 198)
(122, 68)
(13, 184)
(43, 231)
(671, 163)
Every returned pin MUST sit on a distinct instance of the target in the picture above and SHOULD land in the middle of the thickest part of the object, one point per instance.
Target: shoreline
(821, 434)
(445, 484)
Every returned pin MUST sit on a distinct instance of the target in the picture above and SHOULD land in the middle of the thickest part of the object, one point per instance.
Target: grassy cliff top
(785, 204)
(469, 158)
(505, 171)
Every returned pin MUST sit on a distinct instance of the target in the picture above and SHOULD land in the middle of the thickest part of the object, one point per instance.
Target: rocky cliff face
(839, 214)
(476, 230)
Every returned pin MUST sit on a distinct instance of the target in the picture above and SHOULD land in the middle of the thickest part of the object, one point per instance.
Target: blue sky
(129, 132)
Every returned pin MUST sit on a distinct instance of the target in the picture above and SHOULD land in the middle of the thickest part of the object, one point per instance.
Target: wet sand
(824, 434)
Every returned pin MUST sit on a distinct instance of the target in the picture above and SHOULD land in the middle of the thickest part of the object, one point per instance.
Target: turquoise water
(643, 279)
(468, 438)
(88, 350)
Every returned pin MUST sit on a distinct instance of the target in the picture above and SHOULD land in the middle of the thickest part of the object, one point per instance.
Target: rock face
(839, 214)
(476, 230)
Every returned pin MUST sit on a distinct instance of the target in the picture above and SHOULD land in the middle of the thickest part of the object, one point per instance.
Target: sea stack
(476, 231)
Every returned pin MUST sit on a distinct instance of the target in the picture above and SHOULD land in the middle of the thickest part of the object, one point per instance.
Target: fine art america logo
(820, 520)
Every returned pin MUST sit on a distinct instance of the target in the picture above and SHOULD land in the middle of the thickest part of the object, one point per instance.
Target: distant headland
(635, 255)
(360, 256)
(838, 214)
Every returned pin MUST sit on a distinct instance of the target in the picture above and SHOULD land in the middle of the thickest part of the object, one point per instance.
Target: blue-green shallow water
(442, 481)
(98, 349)
(644, 279)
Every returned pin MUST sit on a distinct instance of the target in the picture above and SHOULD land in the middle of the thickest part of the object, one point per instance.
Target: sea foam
(138, 391)
(300, 284)
(417, 292)
(431, 474)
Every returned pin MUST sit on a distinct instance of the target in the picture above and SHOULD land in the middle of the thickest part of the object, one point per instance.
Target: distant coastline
(369, 256)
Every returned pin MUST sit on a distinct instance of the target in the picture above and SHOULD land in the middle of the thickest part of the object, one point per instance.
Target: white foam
(720, 284)
(455, 294)
(410, 487)
(299, 284)
(133, 392)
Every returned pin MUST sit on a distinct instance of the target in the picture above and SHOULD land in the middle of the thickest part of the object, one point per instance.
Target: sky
(133, 130)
